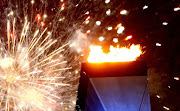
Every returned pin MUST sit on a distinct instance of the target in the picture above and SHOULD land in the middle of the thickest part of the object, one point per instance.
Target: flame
(116, 54)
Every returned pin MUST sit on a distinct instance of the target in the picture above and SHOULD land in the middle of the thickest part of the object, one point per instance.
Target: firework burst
(31, 71)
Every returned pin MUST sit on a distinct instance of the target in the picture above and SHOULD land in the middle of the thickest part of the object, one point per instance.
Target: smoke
(79, 41)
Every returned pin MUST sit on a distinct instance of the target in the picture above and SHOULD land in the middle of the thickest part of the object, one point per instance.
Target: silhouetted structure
(113, 87)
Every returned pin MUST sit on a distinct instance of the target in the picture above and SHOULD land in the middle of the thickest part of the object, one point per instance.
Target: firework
(30, 71)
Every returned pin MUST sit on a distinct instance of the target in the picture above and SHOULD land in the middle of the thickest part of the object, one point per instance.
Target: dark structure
(114, 86)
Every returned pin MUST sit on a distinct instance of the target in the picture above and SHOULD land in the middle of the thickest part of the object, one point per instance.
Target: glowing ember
(38, 17)
(98, 22)
(101, 38)
(116, 54)
(108, 12)
(128, 37)
(145, 7)
(123, 12)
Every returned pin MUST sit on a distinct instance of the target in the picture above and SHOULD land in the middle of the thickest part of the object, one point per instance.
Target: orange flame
(116, 54)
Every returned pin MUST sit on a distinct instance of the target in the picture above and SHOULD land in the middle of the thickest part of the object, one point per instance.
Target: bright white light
(158, 44)
(101, 38)
(158, 96)
(165, 23)
(6, 63)
(11, 13)
(108, 12)
(61, 103)
(88, 31)
(115, 40)
(87, 21)
(165, 107)
(49, 109)
(87, 12)
(107, 1)
(62, 8)
(48, 32)
(61, 19)
(98, 22)
(32, 1)
(74, 102)
(109, 28)
(120, 29)
(145, 7)
(62, 0)
(177, 9)
(76, 72)
(45, 16)
(169, 86)
(123, 12)
(176, 78)
(79, 50)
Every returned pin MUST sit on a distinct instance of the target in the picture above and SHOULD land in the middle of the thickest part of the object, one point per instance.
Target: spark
(38, 17)
(88, 18)
(74, 102)
(98, 22)
(45, 16)
(123, 12)
(87, 21)
(176, 78)
(108, 12)
(78, 50)
(42, 24)
(87, 13)
(76, 72)
(158, 44)
(158, 96)
(11, 13)
(166, 108)
(177, 9)
(115, 40)
(61, 19)
(120, 29)
(88, 31)
(118, 25)
(62, 6)
(145, 7)
(128, 37)
(109, 28)
(107, 1)
(32, 1)
(165, 23)
(101, 38)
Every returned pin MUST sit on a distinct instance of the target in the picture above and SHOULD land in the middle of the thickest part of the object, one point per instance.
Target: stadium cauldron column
(120, 86)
